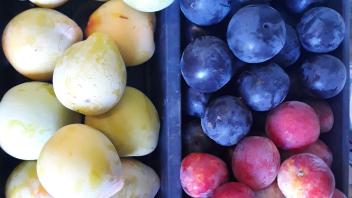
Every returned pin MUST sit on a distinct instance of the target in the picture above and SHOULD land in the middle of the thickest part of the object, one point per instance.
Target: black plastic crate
(159, 79)
(337, 139)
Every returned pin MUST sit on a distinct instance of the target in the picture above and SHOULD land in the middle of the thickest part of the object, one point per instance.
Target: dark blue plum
(291, 51)
(323, 75)
(195, 102)
(300, 6)
(192, 31)
(205, 12)
(227, 120)
(194, 139)
(321, 30)
(264, 87)
(256, 33)
(247, 2)
(207, 64)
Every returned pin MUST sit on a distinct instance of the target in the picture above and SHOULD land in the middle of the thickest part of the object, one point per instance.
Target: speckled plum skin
(205, 12)
(201, 174)
(226, 120)
(233, 190)
(299, 6)
(256, 33)
(321, 30)
(291, 51)
(256, 162)
(292, 125)
(264, 87)
(306, 176)
(324, 76)
(338, 194)
(319, 148)
(207, 64)
(325, 114)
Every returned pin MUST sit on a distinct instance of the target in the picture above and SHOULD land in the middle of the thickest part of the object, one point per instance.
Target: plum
(300, 6)
(83, 162)
(132, 125)
(205, 12)
(324, 76)
(246, 2)
(227, 120)
(293, 125)
(30, 114)
(291, 51)
(256, 33)
(264, 87)
(321, 30)
(233, 190)
(90, 77)
(319, 148)
(192, 31)
(194, 139)
(207, 64)
(23, 182)
(195, 102)
(149, 5)
(272, 191)
(306, 176)
(338, 194)
(34, 40)
(325, 114)
(48, 3)
(256, 162)
(132, 30)
(201, 174)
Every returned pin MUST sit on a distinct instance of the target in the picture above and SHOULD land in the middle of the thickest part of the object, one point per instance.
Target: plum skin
(202, 173)
(324, 76)
(227, 120)
(233, 190)
(207, 64)
(260, 172)
(264, 87)
(306, 176)
(321, 30)
(292, 125)
(256, 33)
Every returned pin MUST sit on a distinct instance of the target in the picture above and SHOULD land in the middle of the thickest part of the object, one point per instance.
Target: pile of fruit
(255, 98)
(41, 123)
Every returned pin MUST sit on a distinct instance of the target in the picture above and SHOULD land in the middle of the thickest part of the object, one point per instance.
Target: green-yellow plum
(34, 39)
(23, 182)
(141, 181)
(80, 162)
(90, 77)
(149, 5)
(132, 30)
(29, 115)
(132, 125)
(48, 3)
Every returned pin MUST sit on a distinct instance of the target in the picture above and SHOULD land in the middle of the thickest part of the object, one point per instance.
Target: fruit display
(272, 118)
(81, 114)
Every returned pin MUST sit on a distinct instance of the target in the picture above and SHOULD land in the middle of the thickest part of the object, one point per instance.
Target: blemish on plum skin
(123, 17)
